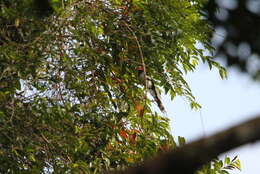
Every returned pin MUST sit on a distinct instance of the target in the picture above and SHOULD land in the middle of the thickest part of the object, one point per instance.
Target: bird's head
(140, 68)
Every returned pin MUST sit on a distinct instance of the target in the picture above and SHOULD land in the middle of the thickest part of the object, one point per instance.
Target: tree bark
(190, 157)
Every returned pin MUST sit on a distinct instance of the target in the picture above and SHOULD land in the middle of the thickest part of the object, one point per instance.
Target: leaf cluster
(70, 100)
(220, 166)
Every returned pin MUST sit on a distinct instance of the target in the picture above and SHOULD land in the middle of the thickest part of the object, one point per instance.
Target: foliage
(220, 167)
(70, 101)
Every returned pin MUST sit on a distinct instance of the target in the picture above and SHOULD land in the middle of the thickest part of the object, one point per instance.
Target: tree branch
(190, 157)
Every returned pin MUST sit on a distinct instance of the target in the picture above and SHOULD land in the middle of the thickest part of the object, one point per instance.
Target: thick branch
(188, 158)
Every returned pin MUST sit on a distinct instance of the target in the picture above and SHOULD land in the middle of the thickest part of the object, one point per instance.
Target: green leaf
(32, 157)
(222, 73)
(181, 140)
(227, 160)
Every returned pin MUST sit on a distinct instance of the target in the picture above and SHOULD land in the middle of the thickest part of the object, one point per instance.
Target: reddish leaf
(123, 134)
(133, 138)
(138, 107)
(141, 113)
(117, 80)
(136, 131)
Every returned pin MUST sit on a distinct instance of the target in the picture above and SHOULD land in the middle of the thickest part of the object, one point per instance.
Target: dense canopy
(70, 99)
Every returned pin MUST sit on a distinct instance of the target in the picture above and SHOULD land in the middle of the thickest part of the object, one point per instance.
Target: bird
(153, 90)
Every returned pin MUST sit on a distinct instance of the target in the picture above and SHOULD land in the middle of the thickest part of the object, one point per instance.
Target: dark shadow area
(237, 37)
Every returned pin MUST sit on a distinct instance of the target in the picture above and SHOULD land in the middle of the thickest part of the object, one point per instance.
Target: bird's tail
(157, 97)
(160, 105)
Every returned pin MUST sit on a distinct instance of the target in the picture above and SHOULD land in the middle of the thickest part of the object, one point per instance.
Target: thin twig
(45, 139)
